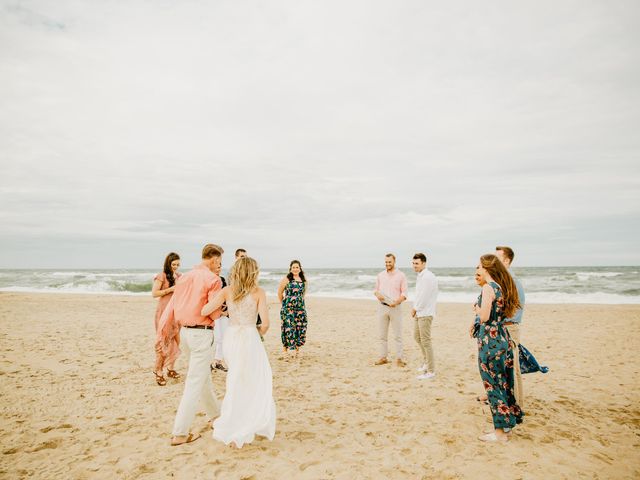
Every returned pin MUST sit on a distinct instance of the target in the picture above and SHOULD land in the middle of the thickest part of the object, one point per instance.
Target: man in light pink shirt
(391, 291)
(193, 291)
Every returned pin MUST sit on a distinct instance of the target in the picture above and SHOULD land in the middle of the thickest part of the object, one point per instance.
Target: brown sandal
(173, 374)
(160, 380)
(190, 438)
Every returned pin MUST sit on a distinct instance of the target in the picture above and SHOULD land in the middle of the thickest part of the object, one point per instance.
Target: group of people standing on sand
(213, 320)
(217, 322)
(498, 316)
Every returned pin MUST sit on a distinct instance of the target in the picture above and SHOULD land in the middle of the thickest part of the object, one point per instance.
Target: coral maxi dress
(168, 334)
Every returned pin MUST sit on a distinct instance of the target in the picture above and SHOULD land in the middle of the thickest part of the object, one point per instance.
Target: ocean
(603, 285)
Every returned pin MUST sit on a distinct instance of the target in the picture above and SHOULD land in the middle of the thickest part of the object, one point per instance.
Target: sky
(332, 132)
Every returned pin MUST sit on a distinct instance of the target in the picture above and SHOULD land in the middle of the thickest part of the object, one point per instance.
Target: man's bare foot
(182, 439)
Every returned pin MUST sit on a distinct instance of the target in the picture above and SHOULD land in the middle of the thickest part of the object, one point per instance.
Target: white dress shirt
(426, 294)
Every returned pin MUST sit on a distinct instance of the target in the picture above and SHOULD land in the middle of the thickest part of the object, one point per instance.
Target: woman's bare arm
(263, 310)
(488, 296)
(155, 291)
(214, 304)
(283, 283)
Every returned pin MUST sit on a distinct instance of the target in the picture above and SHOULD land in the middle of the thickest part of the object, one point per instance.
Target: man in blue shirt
(505, 254)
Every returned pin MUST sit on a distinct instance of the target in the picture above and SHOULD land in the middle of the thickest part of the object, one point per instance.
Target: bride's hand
(215, 303)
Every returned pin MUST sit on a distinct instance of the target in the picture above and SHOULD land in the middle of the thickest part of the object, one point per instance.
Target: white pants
(393, 316)
(197, 385)
(218, 335)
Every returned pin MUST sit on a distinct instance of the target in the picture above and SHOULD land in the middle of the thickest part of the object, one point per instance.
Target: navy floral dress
(495, 360)
(293, 316)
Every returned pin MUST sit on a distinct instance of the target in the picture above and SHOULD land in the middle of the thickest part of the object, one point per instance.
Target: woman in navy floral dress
(291, 293)
(499, 300)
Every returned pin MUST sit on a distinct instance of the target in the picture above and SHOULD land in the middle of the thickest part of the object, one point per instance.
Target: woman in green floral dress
(499, 300)
(293, 314)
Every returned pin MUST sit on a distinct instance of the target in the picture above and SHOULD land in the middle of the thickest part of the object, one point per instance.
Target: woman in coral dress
(167, 336)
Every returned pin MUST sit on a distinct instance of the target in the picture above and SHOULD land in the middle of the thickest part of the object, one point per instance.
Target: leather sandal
(173, 374)
(160, 380)
(190, 438)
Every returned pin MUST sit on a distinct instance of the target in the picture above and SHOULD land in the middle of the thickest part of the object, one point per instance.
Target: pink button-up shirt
(392, 284)
(193, 290)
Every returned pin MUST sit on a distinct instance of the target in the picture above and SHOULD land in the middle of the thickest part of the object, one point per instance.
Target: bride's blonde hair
(243, 277)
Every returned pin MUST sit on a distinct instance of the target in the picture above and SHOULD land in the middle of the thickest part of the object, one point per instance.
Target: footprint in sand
(143, 469)
(63, 426)
(303, 435)
(603, 458)
(306, 465)
(50, 444)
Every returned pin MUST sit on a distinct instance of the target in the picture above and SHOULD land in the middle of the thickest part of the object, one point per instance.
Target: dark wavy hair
(290, 275)
(167, 267)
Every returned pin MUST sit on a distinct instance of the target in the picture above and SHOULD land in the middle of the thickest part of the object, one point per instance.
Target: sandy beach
(79, 400)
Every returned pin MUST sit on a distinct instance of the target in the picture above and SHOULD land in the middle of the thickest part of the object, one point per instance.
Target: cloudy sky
(327, 131)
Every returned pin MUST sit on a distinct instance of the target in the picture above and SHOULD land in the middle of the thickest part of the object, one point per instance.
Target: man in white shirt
(424, 309)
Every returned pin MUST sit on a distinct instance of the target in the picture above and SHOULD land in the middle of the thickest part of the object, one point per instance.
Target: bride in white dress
(248, 408)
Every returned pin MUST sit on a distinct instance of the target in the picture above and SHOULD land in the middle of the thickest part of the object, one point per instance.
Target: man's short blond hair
(210, 250)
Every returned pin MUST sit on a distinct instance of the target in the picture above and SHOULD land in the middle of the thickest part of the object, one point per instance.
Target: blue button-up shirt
(517, 318)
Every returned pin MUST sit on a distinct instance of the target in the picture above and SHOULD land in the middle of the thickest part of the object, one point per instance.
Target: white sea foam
(586, 276)
(611, 285)
(448, 278)
(462, 297)
(367, 277)
(71, 290)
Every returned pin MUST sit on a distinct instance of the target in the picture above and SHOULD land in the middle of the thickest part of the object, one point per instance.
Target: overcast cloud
(327, 131)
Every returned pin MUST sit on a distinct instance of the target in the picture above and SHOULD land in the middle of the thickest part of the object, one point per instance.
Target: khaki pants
(514, 333)
(390, 316)
(422, 335)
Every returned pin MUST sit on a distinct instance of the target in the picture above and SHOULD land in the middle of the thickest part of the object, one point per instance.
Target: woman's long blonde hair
(501, 275)
(243, 277)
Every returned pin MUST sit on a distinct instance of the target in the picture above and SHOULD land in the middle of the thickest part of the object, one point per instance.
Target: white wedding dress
(248, 408)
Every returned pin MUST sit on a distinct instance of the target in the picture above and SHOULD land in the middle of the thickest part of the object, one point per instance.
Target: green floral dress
(495, 360)
(293, 316)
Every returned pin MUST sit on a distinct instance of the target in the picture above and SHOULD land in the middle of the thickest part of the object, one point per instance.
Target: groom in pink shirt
(391, 291)
(193, 290)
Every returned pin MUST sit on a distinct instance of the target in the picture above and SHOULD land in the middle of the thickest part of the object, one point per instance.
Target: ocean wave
(586, 276)
(364, 277)
(455, 278)
(70, 290)
(542, 285)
